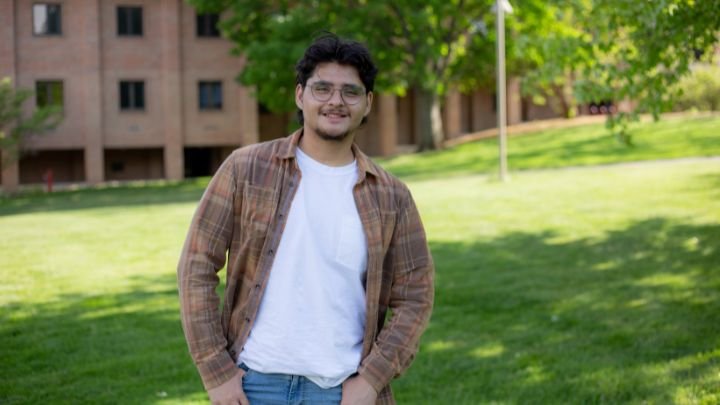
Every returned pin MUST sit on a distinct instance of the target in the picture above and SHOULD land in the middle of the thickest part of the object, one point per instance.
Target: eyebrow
(345, 85)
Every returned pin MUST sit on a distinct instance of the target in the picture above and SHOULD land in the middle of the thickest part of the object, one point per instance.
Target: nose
(336, 97)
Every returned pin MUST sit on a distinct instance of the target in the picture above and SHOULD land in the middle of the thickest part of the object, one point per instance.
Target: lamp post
(501, 7)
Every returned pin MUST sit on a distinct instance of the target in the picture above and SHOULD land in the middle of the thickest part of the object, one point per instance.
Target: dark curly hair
(328, 47)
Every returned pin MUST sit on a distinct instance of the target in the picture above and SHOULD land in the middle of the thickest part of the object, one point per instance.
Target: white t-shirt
(312, 315)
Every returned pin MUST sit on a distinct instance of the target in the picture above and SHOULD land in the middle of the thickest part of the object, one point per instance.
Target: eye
(321, 88)
(352, 91)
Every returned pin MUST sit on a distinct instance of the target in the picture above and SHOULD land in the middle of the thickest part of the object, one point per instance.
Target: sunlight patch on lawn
(666, 280)
(489, 350)
(441, 345)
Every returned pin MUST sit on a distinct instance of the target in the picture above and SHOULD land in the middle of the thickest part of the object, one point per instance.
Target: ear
(369, 103)
(298, 96)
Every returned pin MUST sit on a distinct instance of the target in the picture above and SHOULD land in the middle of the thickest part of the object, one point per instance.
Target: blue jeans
(277, 389)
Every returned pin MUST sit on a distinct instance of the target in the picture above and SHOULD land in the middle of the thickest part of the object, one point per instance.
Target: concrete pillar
(249, 116)
(482, 112)
(92, 88)
(171, 89)
(9, 173)
(514, 101)
(453, 114)
(387, 123)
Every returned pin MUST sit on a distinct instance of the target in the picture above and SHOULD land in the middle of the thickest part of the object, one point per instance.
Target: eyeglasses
(350, 94)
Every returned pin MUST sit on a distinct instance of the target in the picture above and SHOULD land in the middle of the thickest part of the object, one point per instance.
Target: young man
(321, 243)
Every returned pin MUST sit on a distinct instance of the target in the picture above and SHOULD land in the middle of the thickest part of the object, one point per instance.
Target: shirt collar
(365, 166)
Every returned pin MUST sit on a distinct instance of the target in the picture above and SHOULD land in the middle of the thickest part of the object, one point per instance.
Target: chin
(337, 137)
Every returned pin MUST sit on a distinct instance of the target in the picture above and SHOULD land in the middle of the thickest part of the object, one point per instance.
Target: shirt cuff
(377, 370)
(217, 370)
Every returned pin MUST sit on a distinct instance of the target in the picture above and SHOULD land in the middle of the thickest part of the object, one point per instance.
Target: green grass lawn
(584, 285)
(575, 146)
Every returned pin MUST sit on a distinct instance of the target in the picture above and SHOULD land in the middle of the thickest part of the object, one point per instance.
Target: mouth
(334, 114)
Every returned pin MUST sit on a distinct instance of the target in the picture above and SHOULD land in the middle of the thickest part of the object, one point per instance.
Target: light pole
(502, 7)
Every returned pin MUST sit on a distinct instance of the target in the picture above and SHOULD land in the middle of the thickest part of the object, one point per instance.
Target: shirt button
(270, 252)
(257, 286)
(247, 320)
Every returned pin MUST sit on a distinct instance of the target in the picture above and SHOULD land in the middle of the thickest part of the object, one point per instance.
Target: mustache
(342, 111)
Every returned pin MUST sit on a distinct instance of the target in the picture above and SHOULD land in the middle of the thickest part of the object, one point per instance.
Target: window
(210, 95)
(129, 21)
(132, 95)
(47, 19)
(49, 93)
(206, 25)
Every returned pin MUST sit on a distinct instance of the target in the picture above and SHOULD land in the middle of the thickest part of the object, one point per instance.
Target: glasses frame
(334, 89)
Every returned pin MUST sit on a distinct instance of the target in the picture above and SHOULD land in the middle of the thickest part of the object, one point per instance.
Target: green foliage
(14, 126)
(549, 47)
(700, 90)
(620, 50)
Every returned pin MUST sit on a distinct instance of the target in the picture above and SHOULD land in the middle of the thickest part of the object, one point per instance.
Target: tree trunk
(428, 120)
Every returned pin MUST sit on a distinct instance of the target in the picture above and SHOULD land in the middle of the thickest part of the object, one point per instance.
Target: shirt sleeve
(411, 298)
(202, 257)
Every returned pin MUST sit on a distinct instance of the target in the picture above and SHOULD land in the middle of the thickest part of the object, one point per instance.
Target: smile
(334, 115)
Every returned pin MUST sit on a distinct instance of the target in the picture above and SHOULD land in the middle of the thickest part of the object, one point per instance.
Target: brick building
(148, 91)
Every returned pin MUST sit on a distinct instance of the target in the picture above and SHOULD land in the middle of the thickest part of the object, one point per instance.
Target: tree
(428, 46)
(623, 50)
(549, 48)
(14, 126)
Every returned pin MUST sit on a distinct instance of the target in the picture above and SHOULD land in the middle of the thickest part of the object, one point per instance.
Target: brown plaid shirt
(242, 214)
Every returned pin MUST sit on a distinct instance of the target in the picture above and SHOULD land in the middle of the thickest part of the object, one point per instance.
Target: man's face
(333, 101)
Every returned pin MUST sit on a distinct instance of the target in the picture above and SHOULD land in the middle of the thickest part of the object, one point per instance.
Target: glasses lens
(324, 91)
(352, 94)
(321, 91)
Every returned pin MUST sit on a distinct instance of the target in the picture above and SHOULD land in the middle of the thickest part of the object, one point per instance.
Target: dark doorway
(201, 162)
(198, 162)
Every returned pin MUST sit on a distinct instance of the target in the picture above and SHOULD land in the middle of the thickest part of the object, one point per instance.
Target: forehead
(336, 73)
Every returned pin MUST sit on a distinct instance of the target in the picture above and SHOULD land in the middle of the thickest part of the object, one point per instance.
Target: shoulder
(391, 192)
(253, 162)
(263, 151)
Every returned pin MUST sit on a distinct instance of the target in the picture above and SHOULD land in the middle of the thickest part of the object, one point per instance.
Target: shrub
(700, 89)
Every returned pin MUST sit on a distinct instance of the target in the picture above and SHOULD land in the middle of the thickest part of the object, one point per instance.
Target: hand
(230, 392)
(357, 391)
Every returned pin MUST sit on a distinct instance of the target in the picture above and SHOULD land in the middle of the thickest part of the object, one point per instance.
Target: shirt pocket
(351, 248)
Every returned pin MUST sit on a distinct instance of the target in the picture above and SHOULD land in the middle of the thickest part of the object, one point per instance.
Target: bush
(700, 89)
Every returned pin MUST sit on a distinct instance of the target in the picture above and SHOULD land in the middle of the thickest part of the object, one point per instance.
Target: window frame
(125, 11)
(59, 22)
(132, 97)
(211, 107)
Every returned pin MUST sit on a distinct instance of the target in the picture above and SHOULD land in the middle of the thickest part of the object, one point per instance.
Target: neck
(328, 152)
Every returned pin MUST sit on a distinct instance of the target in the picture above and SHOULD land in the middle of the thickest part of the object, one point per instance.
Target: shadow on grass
(89, 348)
(186, 191)
(523, 318)
(526, 319)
